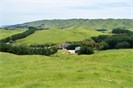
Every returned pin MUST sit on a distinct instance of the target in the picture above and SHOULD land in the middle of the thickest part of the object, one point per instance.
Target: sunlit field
(105, 69)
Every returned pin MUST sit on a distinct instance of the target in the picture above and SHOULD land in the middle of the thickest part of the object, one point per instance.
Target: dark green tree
(85, 50)
(122, 45)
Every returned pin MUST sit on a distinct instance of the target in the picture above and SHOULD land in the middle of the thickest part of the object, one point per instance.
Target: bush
(122, 45)
(100, 38)
(104, 46)
(88, 42)
(4, 47)
(85, 50)
(120, 31)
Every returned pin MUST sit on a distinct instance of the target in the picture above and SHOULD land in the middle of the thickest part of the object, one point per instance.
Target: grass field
(58, 36)
(7, 33)
(105, 69)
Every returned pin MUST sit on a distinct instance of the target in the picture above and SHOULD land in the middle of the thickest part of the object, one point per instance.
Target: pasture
(105, 69)
(59, 36)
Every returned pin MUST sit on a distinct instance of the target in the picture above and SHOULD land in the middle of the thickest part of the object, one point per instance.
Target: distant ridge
(76, 23)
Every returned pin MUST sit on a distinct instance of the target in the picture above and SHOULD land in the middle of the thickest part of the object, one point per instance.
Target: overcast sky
(20, 11)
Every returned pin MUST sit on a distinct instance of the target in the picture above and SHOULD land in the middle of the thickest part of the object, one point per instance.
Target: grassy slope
(89, 23)
(105, 69)
(58, 35)
(7, 33)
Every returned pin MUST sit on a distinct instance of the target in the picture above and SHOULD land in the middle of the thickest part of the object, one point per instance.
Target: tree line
(26, 50)
(120, 39)
(28, 32)
(14, 37)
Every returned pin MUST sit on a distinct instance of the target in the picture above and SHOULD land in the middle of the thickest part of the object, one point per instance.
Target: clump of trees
(26, 50)
(122, 39)
(121, 31)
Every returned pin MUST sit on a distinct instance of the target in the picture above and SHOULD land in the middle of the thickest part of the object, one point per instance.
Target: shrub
(85, 50)
(88, 42)
(104, 46)
(100, 38)
(120, 31)
(122, 45)
(4, 47)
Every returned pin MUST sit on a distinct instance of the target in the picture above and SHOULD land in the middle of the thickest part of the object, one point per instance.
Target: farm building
(71, 51)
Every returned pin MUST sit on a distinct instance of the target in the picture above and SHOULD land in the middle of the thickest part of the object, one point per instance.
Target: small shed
(71, 51)
(74, 51)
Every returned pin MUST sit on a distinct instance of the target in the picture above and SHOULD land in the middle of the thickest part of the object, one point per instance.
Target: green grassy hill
(86, 23)
(7, 33)
(105, 69)
(58, 36)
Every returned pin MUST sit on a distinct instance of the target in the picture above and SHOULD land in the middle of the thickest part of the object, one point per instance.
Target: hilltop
(77, 23)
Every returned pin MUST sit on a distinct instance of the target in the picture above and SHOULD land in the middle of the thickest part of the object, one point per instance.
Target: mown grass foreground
(105, 69)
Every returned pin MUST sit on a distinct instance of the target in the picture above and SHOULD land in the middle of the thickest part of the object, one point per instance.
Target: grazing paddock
(105, 69)
(58, 36)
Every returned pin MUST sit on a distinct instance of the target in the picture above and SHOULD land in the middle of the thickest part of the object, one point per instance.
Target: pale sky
(20, 11)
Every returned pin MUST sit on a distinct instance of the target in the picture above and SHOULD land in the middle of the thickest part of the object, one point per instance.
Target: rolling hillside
(76, 23)
(105, 69)
(59, 36)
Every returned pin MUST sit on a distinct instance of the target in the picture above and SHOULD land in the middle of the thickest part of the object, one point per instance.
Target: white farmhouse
(73, 51)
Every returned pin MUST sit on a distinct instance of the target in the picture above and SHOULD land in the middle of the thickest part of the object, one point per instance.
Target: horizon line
(63, 19)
